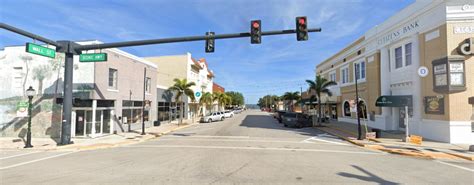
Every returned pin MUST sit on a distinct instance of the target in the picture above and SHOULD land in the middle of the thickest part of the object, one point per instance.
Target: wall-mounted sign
(398, 33)
(463, 29)
(449, 74)
(434, 105)
(394, 101)
(423, 71)
(467, 48)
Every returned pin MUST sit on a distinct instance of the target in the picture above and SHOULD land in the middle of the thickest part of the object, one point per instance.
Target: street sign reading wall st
(93, 57)
(40, 50)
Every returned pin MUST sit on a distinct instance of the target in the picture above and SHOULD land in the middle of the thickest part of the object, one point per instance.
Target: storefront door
(84, 122)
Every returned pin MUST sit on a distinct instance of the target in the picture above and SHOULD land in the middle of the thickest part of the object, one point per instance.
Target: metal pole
(67, 100)
(407, 136)
(28, 133)
(301, 98)
(359, 129)
(28, 34)
(143, 104)
(183, 39)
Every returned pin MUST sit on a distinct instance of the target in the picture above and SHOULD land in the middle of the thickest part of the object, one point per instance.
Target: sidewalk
(106, 141)
(392, 142)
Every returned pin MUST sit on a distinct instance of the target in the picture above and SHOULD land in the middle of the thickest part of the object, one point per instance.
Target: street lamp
(30, 92)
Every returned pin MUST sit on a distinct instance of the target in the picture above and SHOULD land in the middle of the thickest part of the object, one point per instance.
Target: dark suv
(298, 120)
(278, 115)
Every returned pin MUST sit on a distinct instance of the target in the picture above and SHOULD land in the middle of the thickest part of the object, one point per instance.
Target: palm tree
(291, 96)
(182, 87)
(41, 73)
(320, 85)
(25, 59)
(206, 99)
(221, 98)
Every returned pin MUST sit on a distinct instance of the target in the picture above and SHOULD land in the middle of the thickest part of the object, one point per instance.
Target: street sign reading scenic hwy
(40, 50)
(93, 57)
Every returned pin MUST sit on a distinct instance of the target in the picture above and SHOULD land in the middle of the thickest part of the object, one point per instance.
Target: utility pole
(70, 48)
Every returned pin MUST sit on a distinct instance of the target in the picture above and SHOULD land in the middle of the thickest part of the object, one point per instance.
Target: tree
(320, 85)
(182, 88)
(291, 96)
(206, 99)
(222, 99)
(41, 73)
(237, 98)
(25, 59)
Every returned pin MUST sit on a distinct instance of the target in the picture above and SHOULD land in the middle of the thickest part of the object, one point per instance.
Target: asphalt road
(251, 148)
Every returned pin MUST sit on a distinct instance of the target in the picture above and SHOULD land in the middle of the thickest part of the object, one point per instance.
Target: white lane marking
(206, 136)
(250, 148)
(322, 140)
(18, 155)
(36, 160)
(233, 140)
(453, 165)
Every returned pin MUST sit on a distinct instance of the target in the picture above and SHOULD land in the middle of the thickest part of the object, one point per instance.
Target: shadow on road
(370, 178)
(268, 122)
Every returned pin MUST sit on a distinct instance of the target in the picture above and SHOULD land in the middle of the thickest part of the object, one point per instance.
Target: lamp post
(30, 92)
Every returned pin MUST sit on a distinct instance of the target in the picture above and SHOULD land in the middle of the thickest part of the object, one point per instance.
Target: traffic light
(255, 32)
(210, 43)
(301, 28)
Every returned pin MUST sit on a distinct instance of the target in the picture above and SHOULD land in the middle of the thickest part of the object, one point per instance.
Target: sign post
(407, 136)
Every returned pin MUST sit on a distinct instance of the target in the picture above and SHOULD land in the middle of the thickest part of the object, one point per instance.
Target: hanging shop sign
(22, 109)
(467, 48)
(449, 74)
(434, 104)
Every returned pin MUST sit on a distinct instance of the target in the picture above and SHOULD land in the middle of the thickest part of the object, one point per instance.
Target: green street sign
(93, 57)
(40, 50)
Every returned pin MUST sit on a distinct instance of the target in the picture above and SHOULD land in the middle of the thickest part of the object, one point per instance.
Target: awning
(394, 101)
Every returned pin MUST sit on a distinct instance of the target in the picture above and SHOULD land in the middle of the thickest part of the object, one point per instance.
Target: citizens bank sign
(398, 33)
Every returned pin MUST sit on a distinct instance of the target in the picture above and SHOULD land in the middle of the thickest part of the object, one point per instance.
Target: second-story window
(345, 75)
(408, 54)
(398, 58)
(148, 85)
(113, 76)
(360, 70)
(332, 76)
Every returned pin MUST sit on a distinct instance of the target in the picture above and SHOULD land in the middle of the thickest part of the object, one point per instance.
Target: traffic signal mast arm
(183, 39)
(28, 34)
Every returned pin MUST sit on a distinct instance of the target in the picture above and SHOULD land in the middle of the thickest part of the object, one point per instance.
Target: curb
(123, 143)
(397, 151)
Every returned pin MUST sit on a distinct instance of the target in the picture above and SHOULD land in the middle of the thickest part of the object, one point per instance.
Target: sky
(279, 64)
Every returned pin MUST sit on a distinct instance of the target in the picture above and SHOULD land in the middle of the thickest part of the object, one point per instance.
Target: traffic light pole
(71, 48)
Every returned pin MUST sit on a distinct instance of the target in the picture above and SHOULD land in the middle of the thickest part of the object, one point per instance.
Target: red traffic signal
(301, 29)
(255, 32)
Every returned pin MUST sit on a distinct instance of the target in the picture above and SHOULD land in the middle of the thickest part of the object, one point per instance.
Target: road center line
(250, 148)
(456, 166)
(36, 160)
(19, 155)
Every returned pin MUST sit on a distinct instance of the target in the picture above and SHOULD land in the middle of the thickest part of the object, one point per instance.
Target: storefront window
(347, 109)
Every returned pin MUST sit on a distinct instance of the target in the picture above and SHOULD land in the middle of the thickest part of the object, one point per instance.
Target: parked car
(214, 116)
(278, 115)
(228, 114)
(298, 120)
(237, 110)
